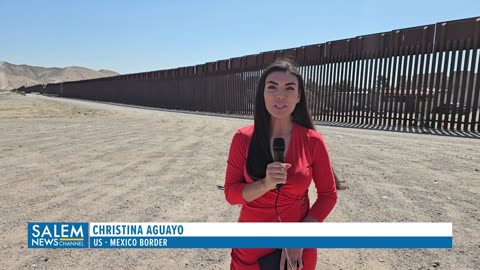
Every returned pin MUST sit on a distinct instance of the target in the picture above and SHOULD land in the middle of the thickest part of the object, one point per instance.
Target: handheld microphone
(278, 152)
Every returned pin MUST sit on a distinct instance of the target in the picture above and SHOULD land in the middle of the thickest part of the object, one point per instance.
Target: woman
(252, 176)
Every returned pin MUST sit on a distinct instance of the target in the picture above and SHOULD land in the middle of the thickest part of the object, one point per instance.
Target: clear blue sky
(152, 35)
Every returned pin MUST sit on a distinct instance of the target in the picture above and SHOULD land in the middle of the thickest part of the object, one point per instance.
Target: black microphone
(278, 152)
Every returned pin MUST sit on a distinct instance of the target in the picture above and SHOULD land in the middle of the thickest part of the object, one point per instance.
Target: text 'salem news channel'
(57, 235)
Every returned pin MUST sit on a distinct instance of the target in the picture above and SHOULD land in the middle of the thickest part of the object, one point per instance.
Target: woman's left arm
(324, 181)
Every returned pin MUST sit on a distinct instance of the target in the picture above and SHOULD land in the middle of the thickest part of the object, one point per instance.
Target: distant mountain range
(14, 76)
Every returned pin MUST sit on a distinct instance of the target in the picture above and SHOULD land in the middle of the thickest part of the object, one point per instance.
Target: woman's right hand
(276, 173)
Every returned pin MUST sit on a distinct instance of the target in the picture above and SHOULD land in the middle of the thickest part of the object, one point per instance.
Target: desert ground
(71, 160)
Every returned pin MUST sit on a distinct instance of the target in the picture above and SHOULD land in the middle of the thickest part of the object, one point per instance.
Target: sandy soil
(68, 160)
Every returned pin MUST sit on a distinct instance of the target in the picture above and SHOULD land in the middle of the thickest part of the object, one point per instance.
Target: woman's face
(281, 94)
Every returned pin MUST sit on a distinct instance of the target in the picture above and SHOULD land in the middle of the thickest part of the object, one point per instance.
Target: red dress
(308, 155)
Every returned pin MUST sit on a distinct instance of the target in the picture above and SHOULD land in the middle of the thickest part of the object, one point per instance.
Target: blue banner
(270, 242)
(238, 235)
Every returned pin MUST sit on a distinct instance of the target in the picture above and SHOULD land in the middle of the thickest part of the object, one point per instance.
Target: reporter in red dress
(252, 175)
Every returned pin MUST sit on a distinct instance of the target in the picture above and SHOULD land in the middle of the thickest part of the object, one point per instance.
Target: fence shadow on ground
(417, 130)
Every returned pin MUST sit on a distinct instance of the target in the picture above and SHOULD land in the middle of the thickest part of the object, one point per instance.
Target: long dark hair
(259, 153)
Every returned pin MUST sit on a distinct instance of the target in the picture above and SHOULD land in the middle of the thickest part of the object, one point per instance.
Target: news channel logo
(57, 235)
